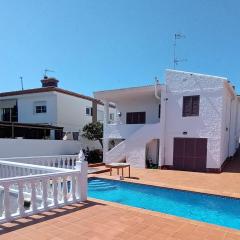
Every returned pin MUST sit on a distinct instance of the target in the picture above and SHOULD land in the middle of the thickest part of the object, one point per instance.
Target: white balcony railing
(58, 161)
(27, 189)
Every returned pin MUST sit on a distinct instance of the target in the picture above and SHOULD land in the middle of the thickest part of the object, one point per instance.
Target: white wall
(30, 147)
(142, 103)
(230, 134)
(72, 112)
(206, 125)
(26, 110)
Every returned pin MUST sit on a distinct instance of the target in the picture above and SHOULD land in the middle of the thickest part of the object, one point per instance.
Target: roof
(48, 89)
(123, 93)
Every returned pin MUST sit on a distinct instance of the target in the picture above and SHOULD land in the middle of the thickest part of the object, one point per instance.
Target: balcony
(121, 131)
(32, 185)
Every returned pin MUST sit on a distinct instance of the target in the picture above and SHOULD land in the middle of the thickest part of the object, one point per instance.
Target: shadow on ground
(44, 216)
(232, 165)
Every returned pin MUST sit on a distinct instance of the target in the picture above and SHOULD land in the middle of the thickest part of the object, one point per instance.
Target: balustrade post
(73, 188)
(44, 193)
(65, 191)
(82, 180)
(55, 191)
(7, 211)
(33, 196)
(20, 199)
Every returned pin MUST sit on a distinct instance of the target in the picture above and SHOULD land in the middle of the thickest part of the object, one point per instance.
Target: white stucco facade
(217, 120)
(62, 110)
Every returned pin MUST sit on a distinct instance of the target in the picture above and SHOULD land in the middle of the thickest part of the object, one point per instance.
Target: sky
(104, 44)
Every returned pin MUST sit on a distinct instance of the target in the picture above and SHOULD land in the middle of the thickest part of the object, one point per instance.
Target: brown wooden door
(190, 154)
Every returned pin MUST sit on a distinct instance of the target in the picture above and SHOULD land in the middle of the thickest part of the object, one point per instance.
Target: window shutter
(191, 105)
(142, 117)
(129, 117)
(195, 105)
(136, 118)
(187, 106)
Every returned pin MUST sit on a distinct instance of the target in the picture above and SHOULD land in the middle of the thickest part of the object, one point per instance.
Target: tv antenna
(21, 79)
(176, 60)
(47, 71)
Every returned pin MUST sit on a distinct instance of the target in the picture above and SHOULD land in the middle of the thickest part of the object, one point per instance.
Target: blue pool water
(223, 211)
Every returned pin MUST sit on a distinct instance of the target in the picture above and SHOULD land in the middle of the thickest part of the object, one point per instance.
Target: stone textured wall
(207, 125)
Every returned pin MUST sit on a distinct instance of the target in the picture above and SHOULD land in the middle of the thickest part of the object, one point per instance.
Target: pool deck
(100, 220)
(226, 183)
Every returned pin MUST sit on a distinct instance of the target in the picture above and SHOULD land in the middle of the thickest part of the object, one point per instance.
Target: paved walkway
(99, 220)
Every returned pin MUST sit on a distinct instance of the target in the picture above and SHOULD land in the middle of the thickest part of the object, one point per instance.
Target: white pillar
(82, 180)
(105, 123)
(52, 134)
(162, 128)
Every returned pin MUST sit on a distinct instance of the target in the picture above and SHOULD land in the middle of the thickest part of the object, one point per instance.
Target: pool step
(99, 185)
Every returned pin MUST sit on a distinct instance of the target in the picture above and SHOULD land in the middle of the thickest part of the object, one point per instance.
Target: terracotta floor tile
(107, 221)
(232, 236)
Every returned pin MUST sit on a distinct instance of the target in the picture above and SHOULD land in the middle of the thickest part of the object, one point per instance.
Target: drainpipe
(156, 88)
(163, 100)
(229, 126)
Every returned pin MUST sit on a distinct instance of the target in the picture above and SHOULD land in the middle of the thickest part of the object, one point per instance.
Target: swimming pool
(223, 211)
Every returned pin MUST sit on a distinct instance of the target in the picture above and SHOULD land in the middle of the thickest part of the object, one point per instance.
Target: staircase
(133, 149)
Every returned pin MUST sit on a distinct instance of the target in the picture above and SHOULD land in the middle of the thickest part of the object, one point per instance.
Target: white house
(53, 106)
(189, 123)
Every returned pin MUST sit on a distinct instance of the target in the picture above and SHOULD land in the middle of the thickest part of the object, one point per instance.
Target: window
(75, 135)
(89, 111)
(191, 106)
(136, 118)
(159, 110)
(111, 116)
(41, 109)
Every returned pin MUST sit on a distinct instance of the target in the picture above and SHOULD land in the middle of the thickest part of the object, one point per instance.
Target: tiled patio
(101, 220)
(226, 183)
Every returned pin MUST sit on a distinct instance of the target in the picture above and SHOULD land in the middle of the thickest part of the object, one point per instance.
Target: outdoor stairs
(133, 148)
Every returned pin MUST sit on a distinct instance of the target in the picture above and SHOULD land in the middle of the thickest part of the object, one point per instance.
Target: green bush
(95, 156)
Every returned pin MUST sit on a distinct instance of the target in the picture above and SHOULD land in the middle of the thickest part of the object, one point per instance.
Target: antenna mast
(21, 79)
(176, 61)
(46, 71)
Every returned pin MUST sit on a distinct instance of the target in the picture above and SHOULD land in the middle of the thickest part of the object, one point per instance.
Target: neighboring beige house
(191, 122)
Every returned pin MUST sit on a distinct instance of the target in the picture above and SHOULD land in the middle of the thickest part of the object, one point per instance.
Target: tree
(93, 131)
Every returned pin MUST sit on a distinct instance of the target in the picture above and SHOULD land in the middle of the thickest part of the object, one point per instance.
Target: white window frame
(90, 109)
(42, 105)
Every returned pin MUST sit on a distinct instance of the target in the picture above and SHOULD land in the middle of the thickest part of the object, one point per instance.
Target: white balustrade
(30, 188)
(61, 161)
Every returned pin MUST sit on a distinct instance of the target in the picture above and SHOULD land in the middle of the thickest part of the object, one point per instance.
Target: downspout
(229, 126)
(156, 88)
(162, 122)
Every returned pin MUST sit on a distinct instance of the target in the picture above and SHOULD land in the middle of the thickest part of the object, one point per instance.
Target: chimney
(49, 82)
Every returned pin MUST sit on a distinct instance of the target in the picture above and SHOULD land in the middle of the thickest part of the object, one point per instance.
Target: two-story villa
(189, 123)
(48, 107)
